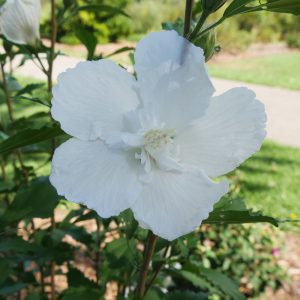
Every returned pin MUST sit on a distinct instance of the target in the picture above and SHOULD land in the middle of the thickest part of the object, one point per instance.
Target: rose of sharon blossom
(19, 21)
(152, 144)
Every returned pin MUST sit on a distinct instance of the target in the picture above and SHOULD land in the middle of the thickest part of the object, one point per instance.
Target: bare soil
(290, 260)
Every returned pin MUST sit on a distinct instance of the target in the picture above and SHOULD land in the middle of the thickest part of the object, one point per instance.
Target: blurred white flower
(19, 21)
(151, 144)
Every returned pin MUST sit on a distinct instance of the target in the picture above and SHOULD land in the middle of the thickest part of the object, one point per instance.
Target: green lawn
(281, 70)
(269, 181)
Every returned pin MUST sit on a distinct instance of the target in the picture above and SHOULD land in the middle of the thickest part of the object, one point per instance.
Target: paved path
(282, 106)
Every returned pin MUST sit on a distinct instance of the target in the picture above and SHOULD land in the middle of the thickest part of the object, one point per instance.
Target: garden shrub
(237, 32)
(245, 253)
(293, 40)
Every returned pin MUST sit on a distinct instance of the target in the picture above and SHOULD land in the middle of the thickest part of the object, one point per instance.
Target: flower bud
(19, 21)
(208, 43)
(212, 5)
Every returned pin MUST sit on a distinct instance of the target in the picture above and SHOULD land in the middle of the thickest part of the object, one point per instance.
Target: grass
(269, 181)
(281, 70)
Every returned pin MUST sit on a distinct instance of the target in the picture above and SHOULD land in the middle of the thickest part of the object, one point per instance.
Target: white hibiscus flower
(19, 21)
(152, 144)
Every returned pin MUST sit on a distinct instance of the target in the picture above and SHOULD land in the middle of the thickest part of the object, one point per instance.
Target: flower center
(157, 139)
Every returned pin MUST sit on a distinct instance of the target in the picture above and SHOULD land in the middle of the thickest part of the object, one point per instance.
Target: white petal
(88, 172)
(172, 77)
(19, 21)
(163, 46)
(89, 101)
(232, 129)
(174, 204)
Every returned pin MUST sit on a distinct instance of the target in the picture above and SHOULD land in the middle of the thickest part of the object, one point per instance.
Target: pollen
(157, 139)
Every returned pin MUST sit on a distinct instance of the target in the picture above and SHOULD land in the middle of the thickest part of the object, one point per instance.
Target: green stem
(97, 260)
(52, 263)
(53, 142)
(188, 17)
(158, 269)
(40, 62)
(7, 95)
(150, 246)
(11, 117)
(220, 21)
(52, 47)
(199, 25)
(3, 174)
(211, 26)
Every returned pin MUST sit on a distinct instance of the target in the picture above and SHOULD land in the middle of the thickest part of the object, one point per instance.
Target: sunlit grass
(269, 181)
(281, 70)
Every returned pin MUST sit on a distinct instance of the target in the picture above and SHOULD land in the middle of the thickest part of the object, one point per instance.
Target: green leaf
(11, 289)
(68, 3)
(3, 136)
(130, 222)
(118, 247)
(77, 279)
(284, 6)
(28, 89)
(28, 137)
(17, 244)
(5, 270)
(75, 213)
(103, 8)
(196, 280)
(13, 84)
(182, 247)
(154, 294)
(81, 293)
(88, 39)
(34, 200)
(6, 186)
(245, 6)
(235, 212)
(33, 296)
(177, 26)
(87, 216)
(35, 100)
(223, 282)
(121, 50)
(200, 276)
(236, 7)
(186, 295)
(78, 233)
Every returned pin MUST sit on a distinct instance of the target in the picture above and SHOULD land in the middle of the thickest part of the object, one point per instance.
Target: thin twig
(188, 17)
(158, 269)
(11, 117)
(3, 173)
(6, 92)
(150, 246)
(42, 280)
(97, 261)
(52, 48)
(52, 263)
(199, 25)
(53, 142)
(43, 68)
